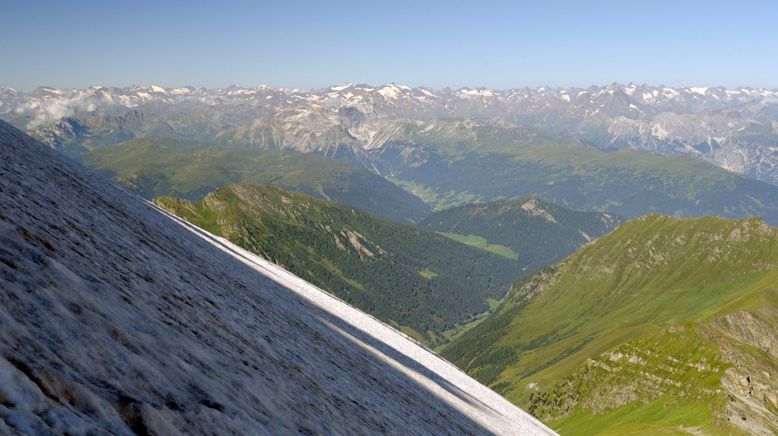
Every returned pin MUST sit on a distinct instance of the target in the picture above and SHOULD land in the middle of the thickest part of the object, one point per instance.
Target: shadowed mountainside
(417, 280)
(535, 232)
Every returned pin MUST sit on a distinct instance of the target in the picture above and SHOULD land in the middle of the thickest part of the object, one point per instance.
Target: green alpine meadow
(665, 325)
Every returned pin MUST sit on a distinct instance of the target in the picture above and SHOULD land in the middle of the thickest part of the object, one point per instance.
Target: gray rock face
(115, 318)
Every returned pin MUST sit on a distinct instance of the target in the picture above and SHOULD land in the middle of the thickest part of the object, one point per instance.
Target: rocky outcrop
(750, 344)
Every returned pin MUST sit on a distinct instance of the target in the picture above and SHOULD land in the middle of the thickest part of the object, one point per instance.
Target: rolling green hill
(418, 280)
(452, 162)
(531, 231)
(160, 166)
(664, 325)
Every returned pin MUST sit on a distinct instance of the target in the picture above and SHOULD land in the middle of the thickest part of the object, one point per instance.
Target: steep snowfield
(115, 317)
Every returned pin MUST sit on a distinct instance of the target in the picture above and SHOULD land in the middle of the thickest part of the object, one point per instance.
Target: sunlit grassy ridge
(656, 287)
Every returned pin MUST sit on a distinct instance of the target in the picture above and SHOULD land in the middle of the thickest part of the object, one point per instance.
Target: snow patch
(702, 90)
(341, 87)
(389, 92)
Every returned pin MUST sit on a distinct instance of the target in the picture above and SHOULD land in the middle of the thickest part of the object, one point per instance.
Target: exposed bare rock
(751, 383)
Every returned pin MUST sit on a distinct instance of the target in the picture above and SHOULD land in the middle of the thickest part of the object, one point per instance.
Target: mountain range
(421, 207)
(452, 162)
(446, 147)
(734, 128)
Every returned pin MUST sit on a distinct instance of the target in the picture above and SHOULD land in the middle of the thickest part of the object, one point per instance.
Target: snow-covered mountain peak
(731, 127)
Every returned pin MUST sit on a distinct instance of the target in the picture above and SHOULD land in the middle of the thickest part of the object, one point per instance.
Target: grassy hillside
(418, 280)
(155, 167)
(662, 325)
(455, 162)
(531, 231)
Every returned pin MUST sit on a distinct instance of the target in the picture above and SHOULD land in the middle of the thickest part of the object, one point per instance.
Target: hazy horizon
(378, 85)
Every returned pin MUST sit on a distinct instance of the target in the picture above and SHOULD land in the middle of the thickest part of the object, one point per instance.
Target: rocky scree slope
(116, 318)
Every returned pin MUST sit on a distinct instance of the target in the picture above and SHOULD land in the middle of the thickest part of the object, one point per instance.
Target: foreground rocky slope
(117, 319)
(451, 147)
(662, 325)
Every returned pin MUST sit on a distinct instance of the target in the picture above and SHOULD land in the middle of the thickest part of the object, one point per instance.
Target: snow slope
(118, 318)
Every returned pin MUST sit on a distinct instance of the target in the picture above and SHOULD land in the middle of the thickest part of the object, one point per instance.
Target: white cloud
(50, 111)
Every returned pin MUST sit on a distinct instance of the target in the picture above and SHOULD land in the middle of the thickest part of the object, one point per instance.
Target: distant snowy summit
(627, 100)
(735, 128)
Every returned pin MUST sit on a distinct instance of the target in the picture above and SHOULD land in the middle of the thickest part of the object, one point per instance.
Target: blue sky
(312, 44)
